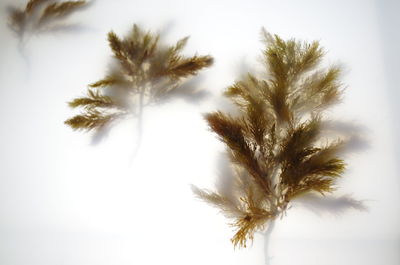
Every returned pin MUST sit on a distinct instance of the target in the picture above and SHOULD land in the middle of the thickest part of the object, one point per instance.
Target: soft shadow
(190, 91)
(76, 28)
(352, 134)
(25, 58)
(225, 184)
(388, 18)
(318, 205)
(329, 204)
(167, 27)
(101, 134)
(241, 69)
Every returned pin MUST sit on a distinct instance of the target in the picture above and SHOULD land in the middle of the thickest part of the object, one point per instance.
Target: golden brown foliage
(145, 73)
(39, 15)
(275, 143)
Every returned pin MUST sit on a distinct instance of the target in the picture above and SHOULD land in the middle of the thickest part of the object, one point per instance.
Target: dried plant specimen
(145, 72)
(41, 15)
(276, 142)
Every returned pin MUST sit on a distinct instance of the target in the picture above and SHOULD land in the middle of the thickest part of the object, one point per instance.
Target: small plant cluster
(275, 144)
(145, 72)
(40, 15)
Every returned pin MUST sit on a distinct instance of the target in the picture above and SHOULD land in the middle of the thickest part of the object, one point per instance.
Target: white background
(66, 201)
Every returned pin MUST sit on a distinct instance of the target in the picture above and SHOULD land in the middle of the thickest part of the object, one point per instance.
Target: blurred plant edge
(40, 16)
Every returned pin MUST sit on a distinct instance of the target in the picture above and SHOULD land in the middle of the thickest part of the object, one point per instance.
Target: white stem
(267, 238)
(139, 124)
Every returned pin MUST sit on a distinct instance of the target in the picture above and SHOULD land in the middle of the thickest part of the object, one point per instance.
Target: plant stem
(267, 238)
(139, 123)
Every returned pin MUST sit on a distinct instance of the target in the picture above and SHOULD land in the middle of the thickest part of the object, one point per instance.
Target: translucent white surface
(65, 201)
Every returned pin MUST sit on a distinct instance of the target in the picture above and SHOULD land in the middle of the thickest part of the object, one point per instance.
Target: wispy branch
(41, 15)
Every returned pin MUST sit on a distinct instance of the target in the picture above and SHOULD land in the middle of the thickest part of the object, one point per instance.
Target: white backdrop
(66, 201)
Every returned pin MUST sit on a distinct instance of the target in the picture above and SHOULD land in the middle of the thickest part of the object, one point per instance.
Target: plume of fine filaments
(145, 72)
(276, 143)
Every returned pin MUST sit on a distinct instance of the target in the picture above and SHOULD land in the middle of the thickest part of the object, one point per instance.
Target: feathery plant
(275, 144)
(41, 15)
(145, 73)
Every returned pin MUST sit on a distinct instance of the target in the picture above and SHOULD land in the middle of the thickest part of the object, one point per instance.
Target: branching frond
(299, 142)
(60, 9)
(108, 81)
(247, 225)
(288, 60)
(39, 15)
(228, 207)
(93, 100)
(229, 130)
(145, 71)
(276, 140)
(248, 212)
(180, 68)
(91, 119)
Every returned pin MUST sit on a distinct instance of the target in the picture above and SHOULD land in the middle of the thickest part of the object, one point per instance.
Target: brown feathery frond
(91, 119)
(145, 72)
(188, 66)
(228, 207)
(17, 20)
(108, 81)
(276, 139)
(93, 100)
(256, 209)
(247, 208)
(60, 9)
(40, 15)
(247, 225)
(115, 44)
(33, 5)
